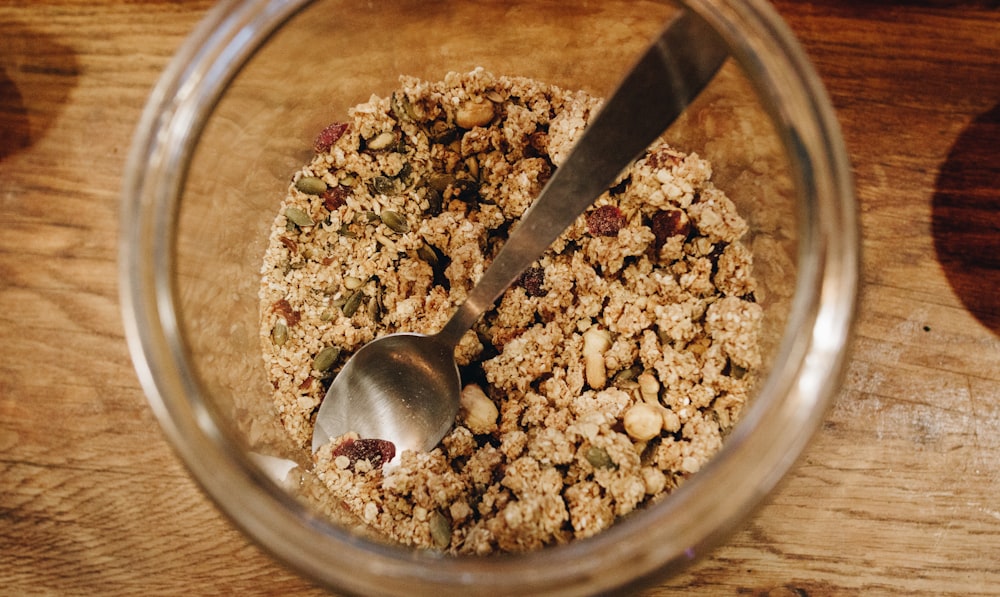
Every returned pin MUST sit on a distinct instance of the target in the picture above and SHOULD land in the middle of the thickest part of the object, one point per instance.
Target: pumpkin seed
(279, 334)
(440, 529)
(401, 107)
(365, 217)
(426, 253)
(395, 221)
(405, 172)
(349, 179)
(311, 185)
(441, 182)
(598, 458)
(383, 185)
(345, 230)
(736, 371)
(353, 302)
(472, 166)
(326, 358)
(435, 202)
(375, 309)
(442, 132)
(382, 141)
(298, 217)
(326, 316)
(626, 375)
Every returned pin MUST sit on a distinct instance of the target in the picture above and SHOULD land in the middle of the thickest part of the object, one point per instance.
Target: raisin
(284, 308)
(668, 223)
(664, 156)
(335, 197)
(621, 187)
(290, 244)
(375, 451)
(606, 220)
(531, 280)
(328, 136)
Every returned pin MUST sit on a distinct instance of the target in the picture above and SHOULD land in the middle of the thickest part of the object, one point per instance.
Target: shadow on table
(36, 77)
(966, 218)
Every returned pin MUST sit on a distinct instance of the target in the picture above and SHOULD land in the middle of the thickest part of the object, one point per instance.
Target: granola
(600, 381)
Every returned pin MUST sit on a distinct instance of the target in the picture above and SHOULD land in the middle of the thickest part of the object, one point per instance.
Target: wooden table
(899, 494)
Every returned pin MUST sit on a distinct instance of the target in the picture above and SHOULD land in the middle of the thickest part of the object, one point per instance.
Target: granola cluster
(600, 381)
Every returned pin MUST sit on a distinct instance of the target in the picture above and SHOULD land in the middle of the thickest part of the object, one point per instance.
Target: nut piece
(649, 387)
(643, 421)
(478, 410)
(473, 113)
(382, 141)
(671, 422)
(653, 479)
(595, 343)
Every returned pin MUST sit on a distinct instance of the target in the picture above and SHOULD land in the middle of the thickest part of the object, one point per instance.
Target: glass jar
(235, 114)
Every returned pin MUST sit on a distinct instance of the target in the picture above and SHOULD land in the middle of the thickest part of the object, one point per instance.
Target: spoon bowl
(410, 385)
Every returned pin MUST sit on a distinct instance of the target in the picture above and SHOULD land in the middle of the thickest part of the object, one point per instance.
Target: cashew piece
(649, 387)
(479, 411)
(595, 343)
(473, 113)
(643, 421)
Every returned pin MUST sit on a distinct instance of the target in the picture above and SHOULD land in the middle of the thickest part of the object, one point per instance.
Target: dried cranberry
(284, 308)
(664, 156)
(606, 220)
(328, 136)
(531, 280)
(668, 223)
(290, 244)
(375, 451)
(335, 197)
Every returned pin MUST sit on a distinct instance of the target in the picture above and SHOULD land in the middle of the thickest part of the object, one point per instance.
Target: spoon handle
(675, 68)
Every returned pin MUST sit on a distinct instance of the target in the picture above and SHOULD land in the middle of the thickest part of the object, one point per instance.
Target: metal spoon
(405, 387)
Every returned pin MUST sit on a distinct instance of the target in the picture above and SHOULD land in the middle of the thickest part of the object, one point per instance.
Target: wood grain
(897, 495)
